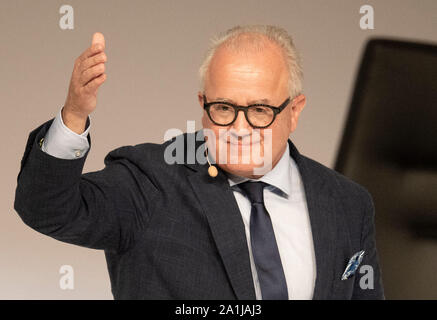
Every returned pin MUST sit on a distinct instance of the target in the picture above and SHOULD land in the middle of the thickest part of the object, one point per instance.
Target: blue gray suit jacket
(174, 232)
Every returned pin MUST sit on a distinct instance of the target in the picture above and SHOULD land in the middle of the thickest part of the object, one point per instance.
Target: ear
(297, 106)
(204, 117)
(200, 98)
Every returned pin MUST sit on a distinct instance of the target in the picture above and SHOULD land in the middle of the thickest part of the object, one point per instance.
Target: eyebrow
(258, 101)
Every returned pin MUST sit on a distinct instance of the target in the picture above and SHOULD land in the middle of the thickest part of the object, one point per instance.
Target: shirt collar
(279, 177)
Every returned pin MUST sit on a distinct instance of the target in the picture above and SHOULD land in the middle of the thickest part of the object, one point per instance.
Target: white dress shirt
(284, 200)
(61, 142)
(286, 203)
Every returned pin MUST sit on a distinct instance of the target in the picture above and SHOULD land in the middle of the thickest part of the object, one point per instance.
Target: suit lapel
(321, 209)
(225, 221)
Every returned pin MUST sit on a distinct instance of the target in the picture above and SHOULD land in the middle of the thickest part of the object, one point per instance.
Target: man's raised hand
(88, 75)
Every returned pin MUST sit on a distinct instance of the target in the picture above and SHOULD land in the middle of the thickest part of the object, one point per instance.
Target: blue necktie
(264, 248)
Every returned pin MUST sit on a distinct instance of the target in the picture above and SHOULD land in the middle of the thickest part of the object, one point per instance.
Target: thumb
(98, 38)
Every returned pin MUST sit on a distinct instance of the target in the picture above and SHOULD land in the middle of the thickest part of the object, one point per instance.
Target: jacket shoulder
(169, 152)
(158, 161)
(343, 186)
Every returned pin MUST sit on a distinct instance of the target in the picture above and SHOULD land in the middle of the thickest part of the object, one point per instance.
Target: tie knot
(254, 190)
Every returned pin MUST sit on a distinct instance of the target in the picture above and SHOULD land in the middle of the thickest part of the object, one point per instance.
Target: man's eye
(223, 107)
(260, 110)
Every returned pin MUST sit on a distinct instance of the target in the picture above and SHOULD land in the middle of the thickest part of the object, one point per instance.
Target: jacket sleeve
(100, 210)
(368, 283)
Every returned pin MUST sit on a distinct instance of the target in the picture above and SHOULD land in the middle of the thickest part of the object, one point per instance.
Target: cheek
(286, 120)
(281, 129)
(211, 128)
(280, 134)
(211, 132)
(205, 120)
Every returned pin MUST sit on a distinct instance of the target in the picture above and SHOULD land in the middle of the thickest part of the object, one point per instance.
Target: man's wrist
(73, 121)
(61, 142)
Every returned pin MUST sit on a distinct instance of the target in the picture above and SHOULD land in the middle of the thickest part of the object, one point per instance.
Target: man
(282, 228)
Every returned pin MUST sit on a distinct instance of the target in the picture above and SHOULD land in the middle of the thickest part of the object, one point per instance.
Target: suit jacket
(174, 232)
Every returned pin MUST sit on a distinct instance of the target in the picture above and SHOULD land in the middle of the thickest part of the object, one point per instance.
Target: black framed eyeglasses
(223, 113)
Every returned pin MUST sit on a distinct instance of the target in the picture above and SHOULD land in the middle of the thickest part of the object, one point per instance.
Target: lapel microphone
(212, 170)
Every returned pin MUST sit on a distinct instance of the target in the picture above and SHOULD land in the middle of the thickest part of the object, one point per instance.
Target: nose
(241, 122)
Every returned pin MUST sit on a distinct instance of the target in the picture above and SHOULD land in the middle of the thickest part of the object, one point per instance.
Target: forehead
(261, 70)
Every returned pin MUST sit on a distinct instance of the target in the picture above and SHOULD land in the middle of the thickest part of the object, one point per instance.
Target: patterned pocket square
(352, 265)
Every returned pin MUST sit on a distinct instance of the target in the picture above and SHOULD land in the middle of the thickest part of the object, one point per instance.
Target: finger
(98, 38)
(91, 51)
(91, 73)
(95, 83)
(92, 61)
(97, 46)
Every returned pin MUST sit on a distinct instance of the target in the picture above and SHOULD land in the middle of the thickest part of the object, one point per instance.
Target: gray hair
(256, 35)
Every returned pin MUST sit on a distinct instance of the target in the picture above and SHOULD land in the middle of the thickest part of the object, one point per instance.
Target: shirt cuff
(61, 142)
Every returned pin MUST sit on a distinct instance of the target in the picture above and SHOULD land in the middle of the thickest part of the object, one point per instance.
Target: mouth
(242, 142)
(240, 138)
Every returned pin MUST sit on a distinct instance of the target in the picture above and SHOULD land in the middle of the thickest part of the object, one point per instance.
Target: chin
(243, 170)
